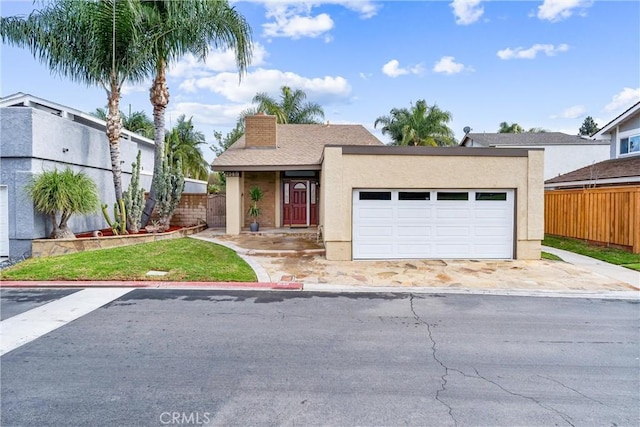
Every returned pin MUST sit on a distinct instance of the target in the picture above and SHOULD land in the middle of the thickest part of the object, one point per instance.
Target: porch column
(234, 202)
(278, 207)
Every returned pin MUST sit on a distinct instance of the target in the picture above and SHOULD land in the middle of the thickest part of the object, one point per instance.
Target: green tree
(537, 130)
(62, 194)
(183, 143)
(291, 108)
(589, 127)
(421, 124)
(136, 121)
(510, 128)
(222, 143)
(187, 26)
(91, 42)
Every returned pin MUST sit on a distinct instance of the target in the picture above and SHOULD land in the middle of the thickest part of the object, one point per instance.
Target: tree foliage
(589, 127)
(62, 194)
(510, 128)
(96, 42)
(222, 143)
(136, 121)
(183, 143)
(420, 124)
(292, 107)
(187, 26)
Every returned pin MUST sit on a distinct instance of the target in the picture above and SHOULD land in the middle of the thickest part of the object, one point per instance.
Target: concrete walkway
(622, 274)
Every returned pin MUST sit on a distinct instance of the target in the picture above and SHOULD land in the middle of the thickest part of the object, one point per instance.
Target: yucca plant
(62, 194)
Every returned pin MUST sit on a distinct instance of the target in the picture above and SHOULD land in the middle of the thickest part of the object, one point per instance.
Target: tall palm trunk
(159, 96)
(114, 128)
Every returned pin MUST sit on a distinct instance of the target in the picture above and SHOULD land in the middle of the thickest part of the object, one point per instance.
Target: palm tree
(420, 125)
(187, 26)
(510, 128)
(182, 143)
(291, 109)
(136, 121)
(62, 194)
(91, 42)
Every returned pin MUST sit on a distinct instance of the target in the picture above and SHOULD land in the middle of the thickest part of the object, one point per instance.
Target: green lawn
(184, 259)
(610, 255)
(552, 257)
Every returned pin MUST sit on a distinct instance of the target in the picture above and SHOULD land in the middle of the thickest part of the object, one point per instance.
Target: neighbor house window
(630, 144)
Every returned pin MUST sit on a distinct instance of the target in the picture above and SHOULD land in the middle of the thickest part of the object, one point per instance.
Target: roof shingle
(297, 145)
(528, 139)
(625, 167)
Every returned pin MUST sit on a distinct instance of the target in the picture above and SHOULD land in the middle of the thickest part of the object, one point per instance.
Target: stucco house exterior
(38, 135)
(562, 152)
(622, 136)
(372, 201)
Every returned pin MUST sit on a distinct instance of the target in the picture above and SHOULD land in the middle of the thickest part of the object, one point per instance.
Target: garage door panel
(413, 232)
(375, 231)
(452, 231)
(405, 225)
(452, 213)
(414, 213)
(373, 213)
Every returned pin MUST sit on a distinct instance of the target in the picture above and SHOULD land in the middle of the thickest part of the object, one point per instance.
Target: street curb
(277, 286)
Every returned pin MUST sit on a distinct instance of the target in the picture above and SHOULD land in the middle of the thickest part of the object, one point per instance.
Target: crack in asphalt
(562, 415)
(574, 390)
(443, 378)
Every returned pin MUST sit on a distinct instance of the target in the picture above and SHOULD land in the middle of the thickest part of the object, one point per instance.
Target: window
(414, 195)
(452, 196)
(375, 195)
(630, 144)
(491, 196)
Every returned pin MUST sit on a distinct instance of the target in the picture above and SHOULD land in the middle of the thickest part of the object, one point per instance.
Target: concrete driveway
(300, 258)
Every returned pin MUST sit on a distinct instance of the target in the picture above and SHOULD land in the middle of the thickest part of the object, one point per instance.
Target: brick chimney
(260, 131)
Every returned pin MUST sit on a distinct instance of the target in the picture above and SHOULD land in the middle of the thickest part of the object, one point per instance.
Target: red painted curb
(150, 284)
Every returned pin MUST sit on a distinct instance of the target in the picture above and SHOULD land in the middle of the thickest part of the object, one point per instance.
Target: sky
(545, 64)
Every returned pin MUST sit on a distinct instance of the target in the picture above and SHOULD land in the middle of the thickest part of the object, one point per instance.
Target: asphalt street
(178, 357)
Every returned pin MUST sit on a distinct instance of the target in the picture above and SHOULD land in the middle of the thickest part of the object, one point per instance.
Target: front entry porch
(291, 199)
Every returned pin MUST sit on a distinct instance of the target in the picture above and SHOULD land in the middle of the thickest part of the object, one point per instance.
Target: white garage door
(459, 224)
(4, 221)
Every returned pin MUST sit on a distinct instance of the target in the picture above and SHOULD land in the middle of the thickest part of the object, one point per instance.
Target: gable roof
(613, 171)
(298, 147)
(526, 139)
(621, 118)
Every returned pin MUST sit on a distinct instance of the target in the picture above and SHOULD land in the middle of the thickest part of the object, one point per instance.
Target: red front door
(298, 203)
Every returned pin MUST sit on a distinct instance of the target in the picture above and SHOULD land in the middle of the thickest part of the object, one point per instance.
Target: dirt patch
(107, 232)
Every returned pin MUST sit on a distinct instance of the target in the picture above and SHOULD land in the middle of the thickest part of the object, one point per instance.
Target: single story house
(562, 152)
(38, 135)
(373, 201)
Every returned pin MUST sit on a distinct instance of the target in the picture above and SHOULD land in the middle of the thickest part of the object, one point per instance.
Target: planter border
(41, 248)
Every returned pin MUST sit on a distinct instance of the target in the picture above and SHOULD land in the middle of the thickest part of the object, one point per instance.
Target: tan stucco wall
(235, 211)
(341, 174)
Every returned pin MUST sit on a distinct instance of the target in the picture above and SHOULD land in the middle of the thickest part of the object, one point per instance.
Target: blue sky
(542, 64)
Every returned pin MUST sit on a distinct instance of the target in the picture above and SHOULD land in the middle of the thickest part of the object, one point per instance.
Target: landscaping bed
(87, 242)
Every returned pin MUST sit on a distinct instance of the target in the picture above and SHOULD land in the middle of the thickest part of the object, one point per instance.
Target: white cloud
(466, 11)
(128, 89)
(318, 89)
(557, 10)
(623, 100)
(448, 65)
(532, 52)
(393, 69)
(296, 26)
(206, 114)
(573, 112)
(217, 60)
(365, 76)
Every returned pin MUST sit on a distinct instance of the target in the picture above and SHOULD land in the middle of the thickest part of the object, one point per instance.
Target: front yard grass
(184, 260)
(610, 255)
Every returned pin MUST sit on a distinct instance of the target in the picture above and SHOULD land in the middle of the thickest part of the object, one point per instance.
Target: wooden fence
(216, 210)
(608, 215)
